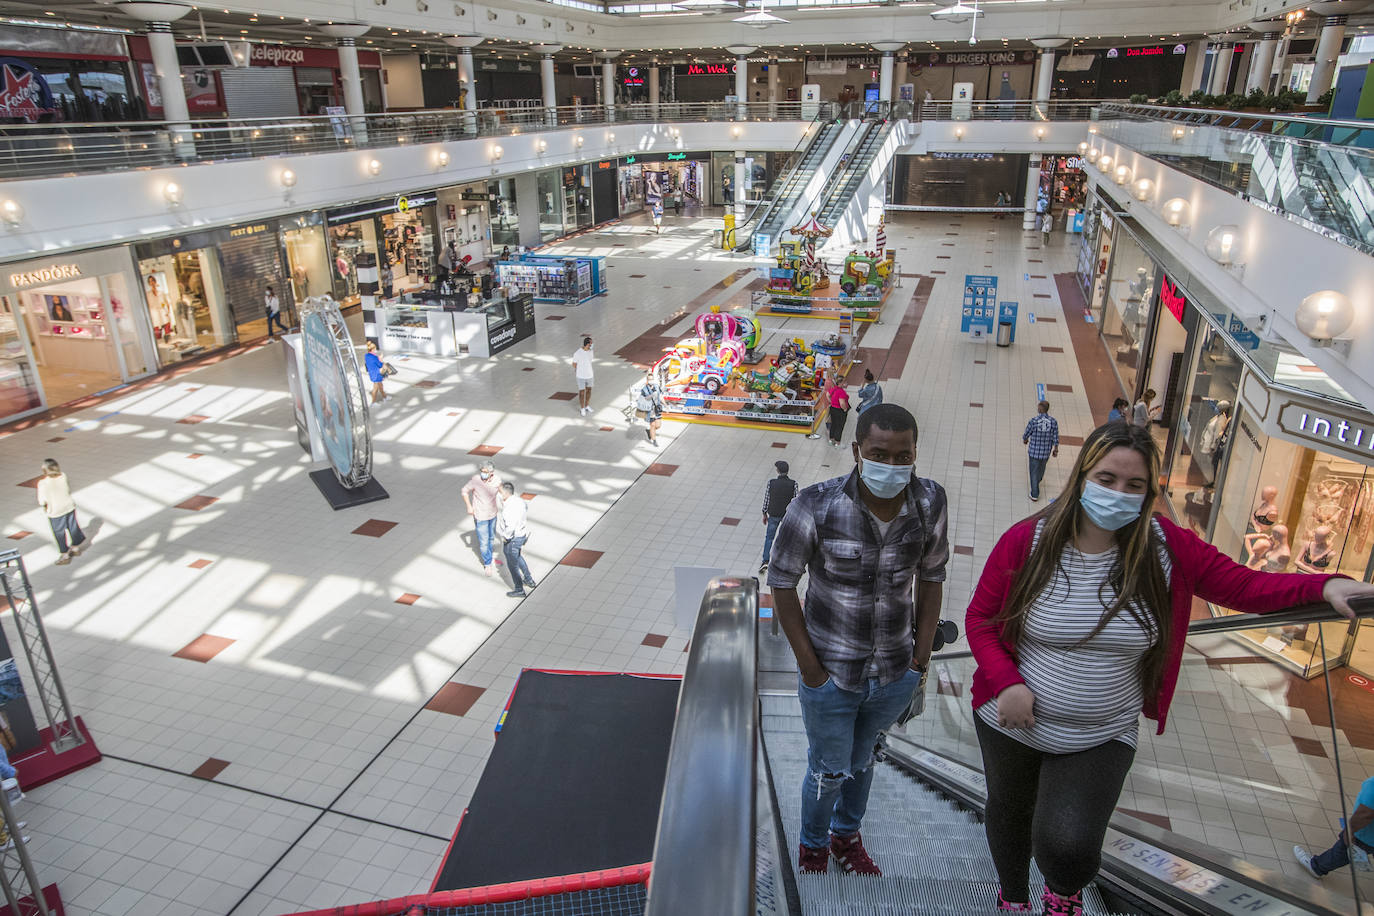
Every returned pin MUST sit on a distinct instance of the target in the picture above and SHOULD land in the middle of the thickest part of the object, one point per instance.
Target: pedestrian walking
(376, 372)
(656, 211)
(55, 496)
(864, 639)
(778, 494)
(1002, 201)
(1077, 625)
(512, 526)
(582, 369)
(870, 392)
(388, 279)
(1120, 411)
(649, 407)
(839, 410)
(482, 496)
(1047, 226)
(1041, 439)
(1145, 411)
(1359, 831)
(272, 305)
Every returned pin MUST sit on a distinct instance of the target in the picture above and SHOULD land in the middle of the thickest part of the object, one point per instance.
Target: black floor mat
(573, 784)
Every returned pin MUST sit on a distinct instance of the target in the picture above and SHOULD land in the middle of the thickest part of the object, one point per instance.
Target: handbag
(388, 369)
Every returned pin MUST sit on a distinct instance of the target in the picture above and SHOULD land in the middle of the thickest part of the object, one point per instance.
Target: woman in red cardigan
(1077, 624)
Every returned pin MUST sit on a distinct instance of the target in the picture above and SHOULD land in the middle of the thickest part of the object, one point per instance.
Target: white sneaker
(1305, 860)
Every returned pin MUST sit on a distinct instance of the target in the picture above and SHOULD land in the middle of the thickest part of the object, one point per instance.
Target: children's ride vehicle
(860, 271)
(688, 366)
(831, 345)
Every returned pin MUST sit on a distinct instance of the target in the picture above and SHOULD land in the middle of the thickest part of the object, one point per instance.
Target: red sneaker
(851, 856)
(1004, 904)
(813, 861)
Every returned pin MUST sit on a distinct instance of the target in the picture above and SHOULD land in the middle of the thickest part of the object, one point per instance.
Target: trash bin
(1004, 329)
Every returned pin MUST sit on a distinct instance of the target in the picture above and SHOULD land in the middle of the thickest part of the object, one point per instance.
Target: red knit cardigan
(1198, 569)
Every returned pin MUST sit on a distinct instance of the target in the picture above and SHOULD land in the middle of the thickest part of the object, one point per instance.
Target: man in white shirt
(582, 365)
(273, 305)
(513, 529)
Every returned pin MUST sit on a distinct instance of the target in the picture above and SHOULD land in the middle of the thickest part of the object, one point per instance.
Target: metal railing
(704, 852)
(1011, 110)
(1313, 171)
(50, 150)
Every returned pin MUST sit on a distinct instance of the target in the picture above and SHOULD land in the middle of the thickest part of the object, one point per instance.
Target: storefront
(307, 256)
(958, 179)
(465, 223)
(674, 177)
(208, 289)
(401, 232)
(70, 327)
(66, 75)
(504, 214)
(201, 84)
(1063, 187)
(605, 191)
(756, 175)
(631, 186)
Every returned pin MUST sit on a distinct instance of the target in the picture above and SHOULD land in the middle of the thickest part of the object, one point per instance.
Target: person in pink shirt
(1078, 625)
(482, 496)
(839, 409)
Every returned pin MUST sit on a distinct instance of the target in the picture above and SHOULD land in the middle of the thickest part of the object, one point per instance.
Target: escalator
(840, 190)
(777, 210)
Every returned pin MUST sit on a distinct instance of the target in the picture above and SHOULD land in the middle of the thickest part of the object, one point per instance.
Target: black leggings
(837, 417)
(1054, 805)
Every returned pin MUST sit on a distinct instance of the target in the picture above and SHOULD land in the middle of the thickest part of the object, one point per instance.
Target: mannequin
(1319, 552)
(1214, 438)
(1268, 552)
(1267, 512)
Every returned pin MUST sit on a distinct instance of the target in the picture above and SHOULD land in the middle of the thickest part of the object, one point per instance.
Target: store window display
(1287, 508)
(551, 207)
(19, 391)
(307, 262)
(1127, 298)
(505, 218)
(186, 304)
(348, 240)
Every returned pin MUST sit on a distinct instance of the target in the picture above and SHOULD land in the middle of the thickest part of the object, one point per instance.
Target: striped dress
(1089, 694)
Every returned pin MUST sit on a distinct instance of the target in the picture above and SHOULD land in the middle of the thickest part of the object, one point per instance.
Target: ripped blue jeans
(841, 729)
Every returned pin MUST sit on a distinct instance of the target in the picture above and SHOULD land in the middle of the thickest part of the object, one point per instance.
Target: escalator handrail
(1307, 613)
(855, 169)
(704, 852)
(786, 184)
(837, 180)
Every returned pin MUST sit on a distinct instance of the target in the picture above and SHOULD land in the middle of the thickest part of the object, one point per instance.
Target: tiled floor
(295, 714)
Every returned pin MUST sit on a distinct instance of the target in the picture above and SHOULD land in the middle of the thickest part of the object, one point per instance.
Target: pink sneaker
(1056, 905)
(1004, 904)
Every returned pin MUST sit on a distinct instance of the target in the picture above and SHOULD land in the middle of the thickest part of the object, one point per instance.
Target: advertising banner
(336, 392)
(980, 305)
(18, 732)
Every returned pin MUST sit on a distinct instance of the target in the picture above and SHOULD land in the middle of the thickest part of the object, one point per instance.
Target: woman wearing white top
(514, 530)
(55, 496)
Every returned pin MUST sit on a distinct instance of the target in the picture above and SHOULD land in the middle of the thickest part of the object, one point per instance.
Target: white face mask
(885, 480)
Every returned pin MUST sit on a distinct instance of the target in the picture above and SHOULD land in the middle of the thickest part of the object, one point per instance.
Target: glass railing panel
(1258, 757)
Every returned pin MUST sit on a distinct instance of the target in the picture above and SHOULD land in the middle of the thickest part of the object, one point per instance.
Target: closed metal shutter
(249, 266)
(260, 92)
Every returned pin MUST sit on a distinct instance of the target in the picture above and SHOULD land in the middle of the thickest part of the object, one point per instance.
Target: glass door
(19, 389)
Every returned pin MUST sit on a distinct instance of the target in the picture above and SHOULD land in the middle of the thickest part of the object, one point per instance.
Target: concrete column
(1262, 64)
(1324, 63)
(1221, 68)
(608, 82)
(347, 35)
(527, 208)
(1192, 67)
(546, 81)
(772, 87)
(741, 53)
(886, 65)
(653, 90)
(467, 78)
(1032, 191)
(739, 187)
(163, 47)
(1045, 78)
(1280, 64)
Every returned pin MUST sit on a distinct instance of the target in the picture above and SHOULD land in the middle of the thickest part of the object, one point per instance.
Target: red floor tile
(19, 535)
(1070, 440)
(374, 528)
(661, 470)
(211, 768)
(730, 522)
(193, 419)
(486, 451)
(1051, 349)
(31, 482)
(527, 369)
(203, 648)
(980, 362)
(195, 455)
(408, 598)
(779, 445)
(200, 564)
(427, 383)
(607, 429)
(455, 699)
(1063, 389)
(563, 396)
(196, 503)
(654, 641)
(1309, 746)
(582, 559)
(963, 551)
(971, 464)
(1159, 820)
(528, 496)
(975, 403)
(554, 317)
(57, 438)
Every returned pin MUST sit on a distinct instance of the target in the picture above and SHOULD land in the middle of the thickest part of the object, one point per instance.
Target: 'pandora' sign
(53, 274)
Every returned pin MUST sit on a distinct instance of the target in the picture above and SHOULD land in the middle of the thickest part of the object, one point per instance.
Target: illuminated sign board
(1173, 300)
(710, 69)
(53, 274)
(1351, 436)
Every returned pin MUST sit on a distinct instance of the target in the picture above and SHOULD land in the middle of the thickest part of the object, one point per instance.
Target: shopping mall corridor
(295, 704)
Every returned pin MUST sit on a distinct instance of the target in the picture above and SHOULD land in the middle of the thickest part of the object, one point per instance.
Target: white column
(1032, 191)
(608, 82)
(1263, 63)
(347, 35)
(1280, 64)
(739, 187)
(1044, 82)
(1192, 67)
(162, 44)
(742, 87)
(546, 81)
(1221, 68)
(467, 79)
(886, 64)
(653, 90)
(1324, 64)
(772, 87)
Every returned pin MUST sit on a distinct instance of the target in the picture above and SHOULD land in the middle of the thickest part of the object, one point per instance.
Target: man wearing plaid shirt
(1041, 440)
(874, 543)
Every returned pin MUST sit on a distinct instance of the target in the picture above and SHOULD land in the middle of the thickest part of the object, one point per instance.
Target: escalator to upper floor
(779, 208)
(843, 185)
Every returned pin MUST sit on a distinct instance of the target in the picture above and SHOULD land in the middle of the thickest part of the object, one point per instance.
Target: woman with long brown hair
(1077, 625)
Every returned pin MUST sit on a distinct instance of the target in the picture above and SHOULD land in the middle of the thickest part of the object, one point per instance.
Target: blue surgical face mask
(884, 480)
(1110, 509)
